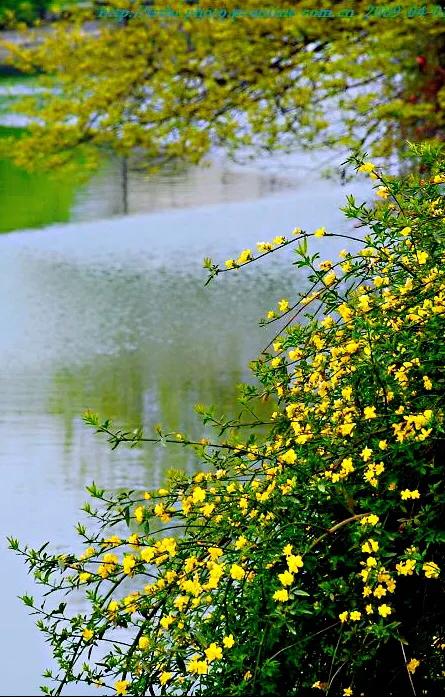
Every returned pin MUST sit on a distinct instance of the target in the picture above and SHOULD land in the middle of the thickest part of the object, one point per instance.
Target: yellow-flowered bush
(307, 554)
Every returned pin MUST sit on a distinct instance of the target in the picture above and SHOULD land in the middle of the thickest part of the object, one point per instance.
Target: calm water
(112, 315)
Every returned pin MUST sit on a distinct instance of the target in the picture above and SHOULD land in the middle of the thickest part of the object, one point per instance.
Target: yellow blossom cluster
(294, 564)
(377, 581)
(262, 247)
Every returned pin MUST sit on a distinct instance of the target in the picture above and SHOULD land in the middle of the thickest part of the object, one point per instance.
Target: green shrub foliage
(305, 557)
(27, 11)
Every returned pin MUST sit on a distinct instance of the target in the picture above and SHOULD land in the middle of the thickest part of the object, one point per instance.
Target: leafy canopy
(174, 88)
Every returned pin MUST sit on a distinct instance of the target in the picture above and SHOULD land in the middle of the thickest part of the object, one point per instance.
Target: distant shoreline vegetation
(222, 13)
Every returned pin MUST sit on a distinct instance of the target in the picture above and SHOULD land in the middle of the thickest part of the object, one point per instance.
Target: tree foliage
(306, 556)
(175, 87)
(28, 11)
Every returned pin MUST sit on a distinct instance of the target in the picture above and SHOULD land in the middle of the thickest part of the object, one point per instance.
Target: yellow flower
(405, 231)
(244, 257)
(326, 264)
(130, 605)
(213, 651)
(166, 621)
(164, 677)
(143, 642)
(198, 495)
(371, 546)
(289, 457)
(366, 454)
(385, 610)
(286, 578)
(148, 553)
(160, 511)
(366, 167)
(228, 641)
(128, 564)
(371, 562)
(369, 610)
(237, 572)
(281, 595)
(134, 540)
(283, 305)
(287, 550)
(84, 577)
(422, 257)
(208, 509)
(241, 542)
(139, 514)
(112, 607)
(89, 552)
(355, 615)
(382, 192)
(87, 634)
(412, 665)
(319, 232)
(431, 570)
(264, 246)
(439, 178)
(330, 278)
(279, 240)
(112, 540)
(369, 413)
(343, 616)
(427, 383)
(181, 602)
(230, 263)
(410, 494)
(121, 687)
(364, 574)
(294, 562)
(197, 666)
(347, 392)
(215, 553)
(347, 428)
(379, 591)
(406, 568)
(347, 692)
(345, 312)
(295, 354)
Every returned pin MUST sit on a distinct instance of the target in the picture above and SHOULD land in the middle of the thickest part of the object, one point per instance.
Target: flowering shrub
(305, 557)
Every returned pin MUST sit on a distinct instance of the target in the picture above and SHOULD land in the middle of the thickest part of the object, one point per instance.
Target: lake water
(109, 312)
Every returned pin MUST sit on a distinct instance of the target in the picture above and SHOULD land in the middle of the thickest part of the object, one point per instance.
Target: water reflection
(120, 187)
